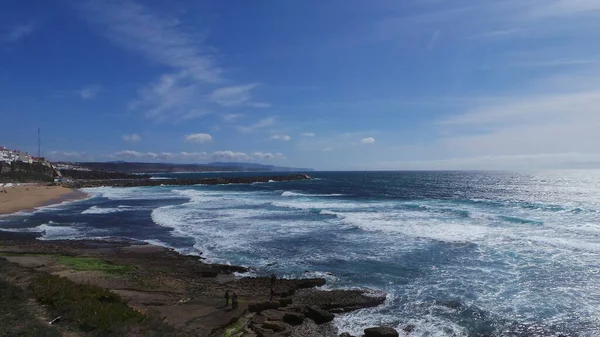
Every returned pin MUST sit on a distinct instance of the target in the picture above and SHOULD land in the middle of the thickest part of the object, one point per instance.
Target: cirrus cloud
(284, 138)
(134, 137)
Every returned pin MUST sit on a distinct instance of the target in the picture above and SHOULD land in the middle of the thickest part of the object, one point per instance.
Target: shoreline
(183, 289)
(26, 198)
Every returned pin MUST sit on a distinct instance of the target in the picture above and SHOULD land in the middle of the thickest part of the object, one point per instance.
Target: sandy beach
(27, 197)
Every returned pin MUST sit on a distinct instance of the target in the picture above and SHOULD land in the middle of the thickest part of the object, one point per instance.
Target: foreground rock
(337, 301)
(381, 331)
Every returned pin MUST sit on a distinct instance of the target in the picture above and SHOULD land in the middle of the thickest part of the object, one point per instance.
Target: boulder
(260, 331)
(293, 318)
(275, 326)
(258, 319)
(273, 315)
(258, 307)
(337, 301)
(318, 315)
(345, 334)
(381, 331)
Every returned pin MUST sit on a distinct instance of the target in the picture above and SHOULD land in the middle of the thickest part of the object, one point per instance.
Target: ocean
(457, 253)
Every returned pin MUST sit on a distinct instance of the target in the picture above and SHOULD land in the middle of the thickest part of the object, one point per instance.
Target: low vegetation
(16, 318)
(94, 310)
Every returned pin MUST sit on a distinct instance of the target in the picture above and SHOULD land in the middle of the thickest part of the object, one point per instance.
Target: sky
(331, 85)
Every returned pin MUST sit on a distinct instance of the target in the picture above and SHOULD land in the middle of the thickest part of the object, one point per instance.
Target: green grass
(94, 310)
(16, 318)
(92, 264)
(82, 263)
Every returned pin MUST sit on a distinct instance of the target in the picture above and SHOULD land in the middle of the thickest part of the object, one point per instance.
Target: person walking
(273, 278)
(234, 301)
(227, 298)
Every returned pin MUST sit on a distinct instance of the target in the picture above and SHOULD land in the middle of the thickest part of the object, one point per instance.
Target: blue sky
(430, 84)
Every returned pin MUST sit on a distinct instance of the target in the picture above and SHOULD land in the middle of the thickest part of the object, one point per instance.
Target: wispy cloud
(18, 32)
(189, 89)
(232, 117)
(563, 8)
(236, 96)
(308, 134)
(198, 138)
(161, 39)
(90, 91)
(261, 124)
(134, 137)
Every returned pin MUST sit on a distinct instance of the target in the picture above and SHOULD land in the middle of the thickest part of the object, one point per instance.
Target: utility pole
(39, 144)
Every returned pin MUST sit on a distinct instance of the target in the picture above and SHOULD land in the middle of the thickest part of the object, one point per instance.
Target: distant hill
(134, 167)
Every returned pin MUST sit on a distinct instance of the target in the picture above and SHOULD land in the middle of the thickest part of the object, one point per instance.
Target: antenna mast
(39, 144)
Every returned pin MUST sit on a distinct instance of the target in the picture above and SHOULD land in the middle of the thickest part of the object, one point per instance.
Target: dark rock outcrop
(337, 301)
(381, 331)
(318, 315)
(259, 307)
(293, 318)
(183, 182)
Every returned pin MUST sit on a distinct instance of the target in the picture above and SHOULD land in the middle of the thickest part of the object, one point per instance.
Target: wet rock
(318, 315)
(381, 331)
(258, 307)
(345, 334)
(273, 315)
(308, 328)
(337, 301)
(293, 318)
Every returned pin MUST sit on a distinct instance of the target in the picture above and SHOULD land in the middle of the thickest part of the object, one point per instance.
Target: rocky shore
(185, 292)
(82, 183)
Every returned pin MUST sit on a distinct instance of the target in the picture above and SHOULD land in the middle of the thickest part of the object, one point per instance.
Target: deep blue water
(457, 253)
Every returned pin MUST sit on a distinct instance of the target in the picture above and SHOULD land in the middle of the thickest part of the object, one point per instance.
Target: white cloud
(66, 155)
(308, 134)
(198, 138)
(368, 140)
(284, 138)
(564, 8)
(263, 123)
(89, 91)
(197, 156)
(134, 137)
(236, 96)
(18, 32)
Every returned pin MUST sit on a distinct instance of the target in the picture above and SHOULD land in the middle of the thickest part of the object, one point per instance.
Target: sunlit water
(458, 253)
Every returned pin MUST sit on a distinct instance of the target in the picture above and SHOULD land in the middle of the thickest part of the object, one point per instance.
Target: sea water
(456, 253)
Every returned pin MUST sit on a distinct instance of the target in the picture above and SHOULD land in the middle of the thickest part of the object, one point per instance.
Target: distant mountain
(255, 167)
(134, 167)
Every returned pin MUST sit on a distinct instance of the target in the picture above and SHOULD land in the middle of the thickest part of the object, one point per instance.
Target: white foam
(132, 193)
(98, 210)
(296, 194)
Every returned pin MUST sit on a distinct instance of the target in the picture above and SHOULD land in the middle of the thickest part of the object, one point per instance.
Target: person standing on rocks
(273, 278)
(234, 301)
(227, 298)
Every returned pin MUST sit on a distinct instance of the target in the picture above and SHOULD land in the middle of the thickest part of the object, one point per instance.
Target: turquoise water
(457, 253)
